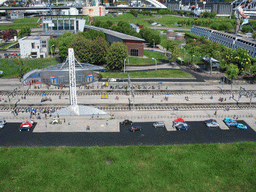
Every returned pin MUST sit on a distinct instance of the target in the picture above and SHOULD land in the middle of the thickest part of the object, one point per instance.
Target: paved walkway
(99, 124)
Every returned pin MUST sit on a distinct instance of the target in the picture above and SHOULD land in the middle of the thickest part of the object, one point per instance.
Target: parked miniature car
(241, 126)
(120, 80)
(158, 124)
(1, 126)
(181, 126)
(135, 128)
(2, 121)
(25, 126)
(126, 121)
(210, 121)
(112, 80)
(230, 122)
(213, 124)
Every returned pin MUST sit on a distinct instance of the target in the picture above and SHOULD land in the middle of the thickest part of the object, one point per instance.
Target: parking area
(198, 133)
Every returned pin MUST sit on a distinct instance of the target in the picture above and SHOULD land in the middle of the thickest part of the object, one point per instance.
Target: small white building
(34, 46)
(16, 15)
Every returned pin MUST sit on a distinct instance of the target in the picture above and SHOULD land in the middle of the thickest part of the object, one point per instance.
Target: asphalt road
(197, 134)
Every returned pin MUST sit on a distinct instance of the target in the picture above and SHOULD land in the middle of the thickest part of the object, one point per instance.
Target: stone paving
(104, 123)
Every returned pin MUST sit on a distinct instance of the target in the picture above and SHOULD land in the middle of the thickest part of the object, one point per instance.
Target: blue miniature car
(241, 126)
(230, 122)
(181, 126)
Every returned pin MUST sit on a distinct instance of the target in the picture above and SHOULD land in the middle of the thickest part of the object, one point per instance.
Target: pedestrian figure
(68, 122)
(45, 115)
(225, 99)
(107, 122)
(58, 116)
(239, 13)
(215, 113)
(64, 120)
(153, 96)
(45, 124)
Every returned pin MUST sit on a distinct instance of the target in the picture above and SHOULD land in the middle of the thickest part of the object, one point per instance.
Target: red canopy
(179, 120)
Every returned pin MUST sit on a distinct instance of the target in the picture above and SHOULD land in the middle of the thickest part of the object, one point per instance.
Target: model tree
(26, 31)
(117, 52)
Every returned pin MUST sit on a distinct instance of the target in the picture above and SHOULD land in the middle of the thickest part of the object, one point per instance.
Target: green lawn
(18, 26)
(127, 17)
(149, 74)
(26, 20)
(10, 67)
(209, 167)
(9, 44)
(160, 57)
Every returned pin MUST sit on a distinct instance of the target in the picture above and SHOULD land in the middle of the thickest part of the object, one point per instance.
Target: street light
(51, 48)
(155, 62)
(124, 65)
(154, 43)
(204, 2)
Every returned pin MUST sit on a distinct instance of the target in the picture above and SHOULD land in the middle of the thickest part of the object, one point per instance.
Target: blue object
(230, 122)
(182, 126)
(241, 126)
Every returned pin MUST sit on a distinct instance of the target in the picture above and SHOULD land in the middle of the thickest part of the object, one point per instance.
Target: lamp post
(51, 48)
(204, 2)
(124, 65)
(154, 43)
(155, 62)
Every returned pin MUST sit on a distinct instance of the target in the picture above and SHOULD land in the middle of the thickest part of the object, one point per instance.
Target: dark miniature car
(135, 128)
(126, 122)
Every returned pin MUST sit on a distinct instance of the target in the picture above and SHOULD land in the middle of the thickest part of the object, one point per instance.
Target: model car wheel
(28, 129)
(187, 129)
(20, 130)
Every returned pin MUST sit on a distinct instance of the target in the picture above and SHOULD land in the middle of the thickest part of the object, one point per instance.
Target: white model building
(34, 46)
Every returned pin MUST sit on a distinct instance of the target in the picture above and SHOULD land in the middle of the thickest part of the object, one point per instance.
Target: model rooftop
(114, 33)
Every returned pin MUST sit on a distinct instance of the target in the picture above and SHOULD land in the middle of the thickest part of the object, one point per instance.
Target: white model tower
(72, 81)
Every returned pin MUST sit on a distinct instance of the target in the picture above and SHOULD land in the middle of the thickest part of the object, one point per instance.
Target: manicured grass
(9, 44)
(127, 17)
(10, 67)
(18, 26)
(160, 57)
(210, 167)
(148, 74)
(26, 20)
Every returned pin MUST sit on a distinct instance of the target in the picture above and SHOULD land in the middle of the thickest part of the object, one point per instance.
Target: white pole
(124, 65)
(155, 62)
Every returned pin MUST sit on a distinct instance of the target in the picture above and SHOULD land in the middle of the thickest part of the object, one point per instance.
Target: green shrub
(254, 35)
(212, 14)
(247, 29)
(164, 11)
(181, 12)
(206, 14)
(215, 26)
(225, 26)
(134, 13)
(233, 16)
(174, 12)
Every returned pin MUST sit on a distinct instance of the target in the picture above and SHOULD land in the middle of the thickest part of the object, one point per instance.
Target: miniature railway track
(143, 107)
